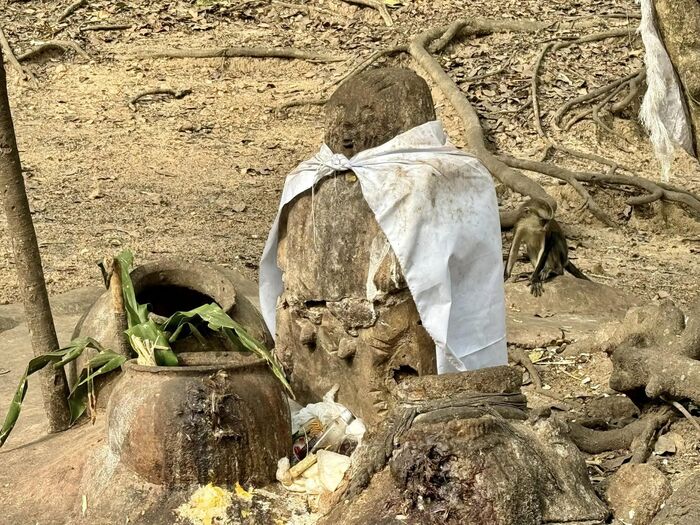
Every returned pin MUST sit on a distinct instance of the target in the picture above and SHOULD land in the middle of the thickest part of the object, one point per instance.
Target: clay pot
(221, 417)
(170, 285)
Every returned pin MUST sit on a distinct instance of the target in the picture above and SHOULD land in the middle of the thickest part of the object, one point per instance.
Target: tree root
(638, 436)
(71, 9)
(377, 5)
(533, 90)
(12, 59)
(63, 45)
(368, 62)
(659, 357)
(591, 95)
(180, 93)
(519, 357)
(231, 52)
(473, 131)
(635, 86)
(281, 110)
(654, 191)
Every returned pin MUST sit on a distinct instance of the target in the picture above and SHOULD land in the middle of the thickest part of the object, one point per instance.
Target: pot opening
(166, 299)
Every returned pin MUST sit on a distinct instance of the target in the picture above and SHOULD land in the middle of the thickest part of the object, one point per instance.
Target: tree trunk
(28, 263)
(679, 26)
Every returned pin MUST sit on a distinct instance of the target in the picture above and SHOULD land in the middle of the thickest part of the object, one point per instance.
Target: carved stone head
(373, 107)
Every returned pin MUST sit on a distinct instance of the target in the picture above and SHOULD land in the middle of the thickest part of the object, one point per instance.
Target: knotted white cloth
(437, 207)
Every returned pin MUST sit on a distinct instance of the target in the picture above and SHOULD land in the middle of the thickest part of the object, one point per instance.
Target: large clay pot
(170, 285)
(221, 418)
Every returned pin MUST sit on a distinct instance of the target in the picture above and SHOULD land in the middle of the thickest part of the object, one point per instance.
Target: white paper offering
(437, 207)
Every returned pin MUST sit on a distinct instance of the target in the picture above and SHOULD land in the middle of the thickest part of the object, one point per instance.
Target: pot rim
(213, 362)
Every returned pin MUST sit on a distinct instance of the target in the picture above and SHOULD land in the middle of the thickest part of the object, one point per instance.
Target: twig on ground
(231, 52)
(685, 413)
(533, 90)
(106, 27)
(374, 4)
(281, 110)
(368, 62)
(63, 45)
(12, 59)
(179, 93)
(595, 37)
(519, 357)
(71, 9)
(473, 130)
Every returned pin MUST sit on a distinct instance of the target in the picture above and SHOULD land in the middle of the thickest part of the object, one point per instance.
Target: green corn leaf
(219, 321)
(149, 341)
(34, 365)
(58, 359)
(135, 313)
(101, 364)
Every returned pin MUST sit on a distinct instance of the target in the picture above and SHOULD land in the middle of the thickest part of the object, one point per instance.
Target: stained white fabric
(663, 110)
(438, 209)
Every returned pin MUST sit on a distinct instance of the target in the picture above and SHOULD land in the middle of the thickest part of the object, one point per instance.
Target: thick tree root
(12, 59)
(251, 52)
(654, 191)
(638, 437)
(375, 4)
(473, 130)
(660, 352)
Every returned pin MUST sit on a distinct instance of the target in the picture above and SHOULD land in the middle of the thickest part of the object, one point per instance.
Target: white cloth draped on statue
(437, 207)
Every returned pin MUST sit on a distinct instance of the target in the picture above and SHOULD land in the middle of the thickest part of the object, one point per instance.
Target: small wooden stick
(281, 110)
(106, 27)
(71, 9)
(180, 93)
(374, 4)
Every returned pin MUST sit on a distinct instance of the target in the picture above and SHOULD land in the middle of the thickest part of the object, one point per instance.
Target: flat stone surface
(576, 306)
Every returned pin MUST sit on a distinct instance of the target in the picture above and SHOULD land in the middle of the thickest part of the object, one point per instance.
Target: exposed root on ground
(281, 110)
(71, 9)
(607, 89)
(50, 45)
(106, 27)
(653, 191)
(374, 4)
(418, 49)
(175, 93)
(639, 437)
(12, 59)
(250, 52)
(659, 353)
